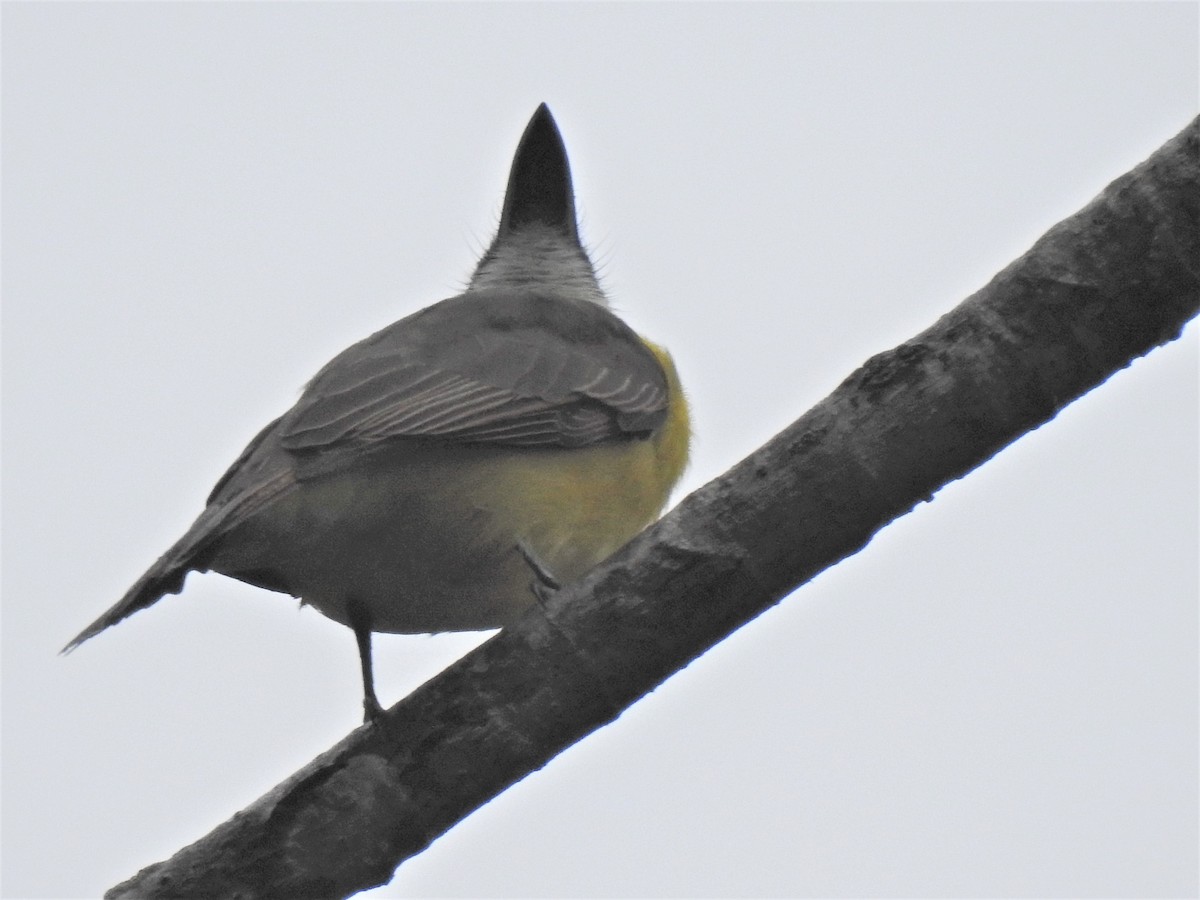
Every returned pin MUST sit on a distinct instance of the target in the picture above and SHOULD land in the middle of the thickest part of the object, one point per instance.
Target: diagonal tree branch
(1101, 288)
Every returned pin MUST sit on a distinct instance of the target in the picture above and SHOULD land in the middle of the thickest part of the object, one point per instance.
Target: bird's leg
(362, 633)
(544, 584)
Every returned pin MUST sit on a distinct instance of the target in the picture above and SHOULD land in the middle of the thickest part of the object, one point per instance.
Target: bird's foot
(544, 584)
(372, 711)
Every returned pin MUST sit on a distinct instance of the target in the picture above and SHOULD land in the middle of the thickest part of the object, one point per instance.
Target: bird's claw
(372, 711)
(544, 584)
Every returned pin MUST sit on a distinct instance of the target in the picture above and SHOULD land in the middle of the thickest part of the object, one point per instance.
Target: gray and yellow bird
(433, 473)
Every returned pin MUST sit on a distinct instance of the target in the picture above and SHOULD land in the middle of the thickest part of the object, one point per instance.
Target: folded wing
(489, 367)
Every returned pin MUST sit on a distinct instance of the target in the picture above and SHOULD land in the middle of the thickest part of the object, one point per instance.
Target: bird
(448, 471)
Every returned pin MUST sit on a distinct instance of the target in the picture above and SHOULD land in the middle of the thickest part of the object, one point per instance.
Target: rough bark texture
(1098, 290)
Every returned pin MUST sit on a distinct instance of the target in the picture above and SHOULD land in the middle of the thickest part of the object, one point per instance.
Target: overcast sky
(203, 203)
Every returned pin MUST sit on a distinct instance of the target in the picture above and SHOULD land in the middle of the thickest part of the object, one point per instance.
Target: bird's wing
(495, 367)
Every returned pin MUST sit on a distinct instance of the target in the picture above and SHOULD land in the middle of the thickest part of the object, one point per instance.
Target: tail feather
(190, 553)
(165, 577)
(251, 484)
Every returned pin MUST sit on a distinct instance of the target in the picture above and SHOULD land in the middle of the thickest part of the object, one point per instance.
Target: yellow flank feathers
(675, 437)
(574, 508)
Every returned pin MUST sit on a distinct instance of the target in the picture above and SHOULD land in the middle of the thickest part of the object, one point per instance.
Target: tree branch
(1098, 290)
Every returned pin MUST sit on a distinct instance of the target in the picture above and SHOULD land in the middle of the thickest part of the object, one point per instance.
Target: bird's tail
(190, 553)
(258, 478)
(165, 577)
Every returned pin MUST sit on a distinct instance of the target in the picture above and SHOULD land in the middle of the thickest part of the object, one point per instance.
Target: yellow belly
(427, 538)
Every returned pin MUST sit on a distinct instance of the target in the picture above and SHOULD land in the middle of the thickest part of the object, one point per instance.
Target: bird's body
(433, 539)
(428, 473)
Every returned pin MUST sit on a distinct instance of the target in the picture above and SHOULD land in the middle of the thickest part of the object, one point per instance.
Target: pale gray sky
(203, 203)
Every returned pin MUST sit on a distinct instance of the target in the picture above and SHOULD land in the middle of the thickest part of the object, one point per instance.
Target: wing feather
(489, 367)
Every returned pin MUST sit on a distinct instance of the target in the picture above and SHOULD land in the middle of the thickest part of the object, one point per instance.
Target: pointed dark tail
(165, 577)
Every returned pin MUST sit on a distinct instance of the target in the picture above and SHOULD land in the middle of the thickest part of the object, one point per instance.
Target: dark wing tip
(539, 184)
